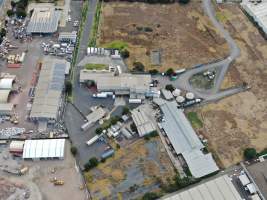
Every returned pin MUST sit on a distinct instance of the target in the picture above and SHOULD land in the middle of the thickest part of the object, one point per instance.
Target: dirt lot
(133, 171)
(37, 180)
(240, 121)
(183, 33)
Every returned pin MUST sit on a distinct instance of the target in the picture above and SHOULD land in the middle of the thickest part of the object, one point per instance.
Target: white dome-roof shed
(6, 83)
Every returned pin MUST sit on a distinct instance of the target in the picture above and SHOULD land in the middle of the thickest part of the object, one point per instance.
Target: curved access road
(220, 66)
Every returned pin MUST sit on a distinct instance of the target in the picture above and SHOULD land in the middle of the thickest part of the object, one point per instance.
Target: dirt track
(240, 121)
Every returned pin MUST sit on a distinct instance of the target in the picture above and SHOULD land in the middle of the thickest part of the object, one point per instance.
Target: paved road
(221, 66)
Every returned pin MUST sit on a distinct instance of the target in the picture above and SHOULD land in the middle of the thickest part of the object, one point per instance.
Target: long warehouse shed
(185, 140)
(220, 188)
(47, 100)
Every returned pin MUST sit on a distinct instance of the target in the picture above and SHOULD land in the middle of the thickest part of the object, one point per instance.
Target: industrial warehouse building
(220, 188)
(257, 10)
(44, 149)
(48, 92)
(135, 85)
(6, 86)
(44, 20)
(185, 141)
(143, 124)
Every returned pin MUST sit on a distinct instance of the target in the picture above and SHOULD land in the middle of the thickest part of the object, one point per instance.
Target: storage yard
(36, 182)
(178, 42)
(131, 172)
(240, 119)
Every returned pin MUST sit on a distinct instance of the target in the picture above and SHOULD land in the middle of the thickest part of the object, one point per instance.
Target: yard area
(181, 35)
(240, 121)
(131, 172)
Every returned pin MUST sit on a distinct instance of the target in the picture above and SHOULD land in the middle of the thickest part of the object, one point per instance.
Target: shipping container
(107, 154)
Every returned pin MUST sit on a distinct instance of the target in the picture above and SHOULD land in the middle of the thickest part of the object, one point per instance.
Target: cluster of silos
(177, 93)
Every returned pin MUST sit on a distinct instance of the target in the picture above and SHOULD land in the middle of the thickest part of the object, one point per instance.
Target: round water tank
(190, 95)
(180, 99)
(176, 92)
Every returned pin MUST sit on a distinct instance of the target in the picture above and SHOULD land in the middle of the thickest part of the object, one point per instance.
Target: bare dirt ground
(133, 171)
(37, 180)
(183, 33)
(240, 121)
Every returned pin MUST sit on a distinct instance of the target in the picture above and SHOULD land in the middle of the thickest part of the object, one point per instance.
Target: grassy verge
(194, 119)
(95, 66)
(94, 31)
(116, 44)
(75, 53)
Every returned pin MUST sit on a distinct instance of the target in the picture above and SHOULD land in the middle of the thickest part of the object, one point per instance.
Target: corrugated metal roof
(49, 88)
(44, 20)
(185, 141)
(106, 81)
(96, 115)
(220, 188)
(143, 124)
(257, 11)
(47, 148)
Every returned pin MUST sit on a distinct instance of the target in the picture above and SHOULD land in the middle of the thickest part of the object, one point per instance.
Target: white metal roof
(220, 188)
(185, 141)
(6, 107)
(47, 148)
(96, 115)
(106, 81)
(167, 94)
(143, 124)
(244, 179)
(48, 90)
(44, 20)
(4, 96)
(6, 83)
(258, 11)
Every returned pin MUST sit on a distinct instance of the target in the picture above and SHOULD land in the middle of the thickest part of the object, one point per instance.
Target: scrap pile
(12, 131)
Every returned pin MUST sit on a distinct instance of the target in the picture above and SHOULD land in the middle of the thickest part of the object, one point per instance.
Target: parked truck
(93, 140)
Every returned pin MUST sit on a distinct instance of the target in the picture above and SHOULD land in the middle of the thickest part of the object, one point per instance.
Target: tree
(138, 66)
(98, 131)
(13, 4)
(68, 87)
(153, 71)
(125, 53)
(169, 72)
(184, 1)
(21, 13)
(93, 162)
(3, 32)
(150, 196)
(74, 150)
(114, 120)
(9, 13)
(250, 153)
(125, 110)
(169, 87)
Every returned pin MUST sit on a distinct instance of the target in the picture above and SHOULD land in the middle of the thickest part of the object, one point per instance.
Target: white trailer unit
(100, 95)
(86, 126)
(135, 101)
(93, 140)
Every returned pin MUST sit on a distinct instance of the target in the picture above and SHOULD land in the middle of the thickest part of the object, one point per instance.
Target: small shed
(16, 146)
